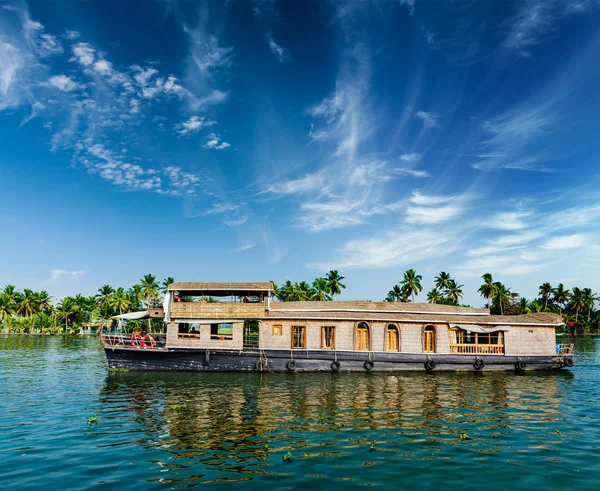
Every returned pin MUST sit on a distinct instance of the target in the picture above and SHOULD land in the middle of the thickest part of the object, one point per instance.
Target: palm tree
(12, 293)
(334, 282)
(411, 283)
(545, 291)
(577, 301)
(487, 289)
(501, 296)
(533, 307)
(454, 292)
(561, 296)
(8, 307)
(441, 281)
(396, 294)
(44, 301)
(119, 300)
(306, 291)
(104, 294)
(283, 292)
(67, 310)
(28, 303)
(136, 296)
(166, 282)
(320, 290)
(149, 287)
(434, 296)
(44, 322)
(588, 298)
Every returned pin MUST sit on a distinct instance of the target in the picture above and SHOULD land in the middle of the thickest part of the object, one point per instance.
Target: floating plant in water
(178, 407)
(557, 432)
(464, 437)
(372, 447)
(92, 419)
(287, 457)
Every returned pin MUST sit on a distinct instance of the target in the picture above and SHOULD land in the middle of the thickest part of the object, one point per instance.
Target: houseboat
(238, 326)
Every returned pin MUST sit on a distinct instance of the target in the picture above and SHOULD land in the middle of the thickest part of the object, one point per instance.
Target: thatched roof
(197, 289)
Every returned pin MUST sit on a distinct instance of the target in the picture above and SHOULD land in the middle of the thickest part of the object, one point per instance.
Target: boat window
(328, 337)
(429, 339)
(221, 331)
(362, 340)
(392, 338)
(277, 330)
(298, 336)
(186, 330)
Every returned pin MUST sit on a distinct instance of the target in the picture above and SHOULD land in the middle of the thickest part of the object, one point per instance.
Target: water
(232, 431)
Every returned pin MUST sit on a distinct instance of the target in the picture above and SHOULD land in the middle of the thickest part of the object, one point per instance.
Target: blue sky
(277, 140)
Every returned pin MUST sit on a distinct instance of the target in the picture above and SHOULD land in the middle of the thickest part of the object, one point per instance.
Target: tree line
(321, 289)
(576, 306)
(30, 311)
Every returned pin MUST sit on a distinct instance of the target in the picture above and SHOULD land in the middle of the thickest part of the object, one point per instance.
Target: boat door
(251, 334)
(429, 341)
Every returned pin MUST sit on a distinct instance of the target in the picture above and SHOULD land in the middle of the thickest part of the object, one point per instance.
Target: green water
(161, 430)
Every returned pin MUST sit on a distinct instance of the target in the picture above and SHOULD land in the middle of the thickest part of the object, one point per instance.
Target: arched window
(429, 339)
(363, 337)
(392, 338)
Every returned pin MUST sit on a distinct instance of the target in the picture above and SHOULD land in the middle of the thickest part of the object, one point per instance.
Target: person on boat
(136, 339)
(147, 340)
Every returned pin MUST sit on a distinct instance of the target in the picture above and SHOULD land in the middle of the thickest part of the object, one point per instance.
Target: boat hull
(180, 359)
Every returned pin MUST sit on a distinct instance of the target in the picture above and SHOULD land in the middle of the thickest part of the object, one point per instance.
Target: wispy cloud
(429, 120)
(60, 273)
(536, 19)
(277, 50)
(565, 242)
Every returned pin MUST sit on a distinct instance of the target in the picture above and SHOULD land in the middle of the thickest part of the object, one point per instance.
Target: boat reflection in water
(235, 426)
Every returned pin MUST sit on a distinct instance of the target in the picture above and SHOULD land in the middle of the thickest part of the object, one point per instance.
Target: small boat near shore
(237, 327)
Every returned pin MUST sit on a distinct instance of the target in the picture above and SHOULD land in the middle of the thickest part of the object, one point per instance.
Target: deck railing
(222, 310)
(477, 349)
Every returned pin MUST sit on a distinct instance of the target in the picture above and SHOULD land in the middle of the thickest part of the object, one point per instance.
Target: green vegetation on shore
(34, 312)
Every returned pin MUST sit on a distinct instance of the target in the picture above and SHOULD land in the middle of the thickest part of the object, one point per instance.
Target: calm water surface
(161, 430)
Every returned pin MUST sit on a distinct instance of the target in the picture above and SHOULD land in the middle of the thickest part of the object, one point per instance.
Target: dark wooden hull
(315, 360)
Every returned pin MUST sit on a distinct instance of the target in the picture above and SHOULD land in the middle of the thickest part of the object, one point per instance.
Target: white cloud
(207, 54)
(219, 208)
(517, 239)
(535, 19)
(104, 67)
(432, 214)
(411, 157)
(245, 247)
(62, 82)
(308, 184)
(193, 125)
(11, 60)
(510, 220)
(565, 242)
(10, 8)
(59, 273)
(48, 45)
(84, 54)
(406, 246)
(214, 142)
(278, 51)
(412, 172)
(429, 120)
(71, 35)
